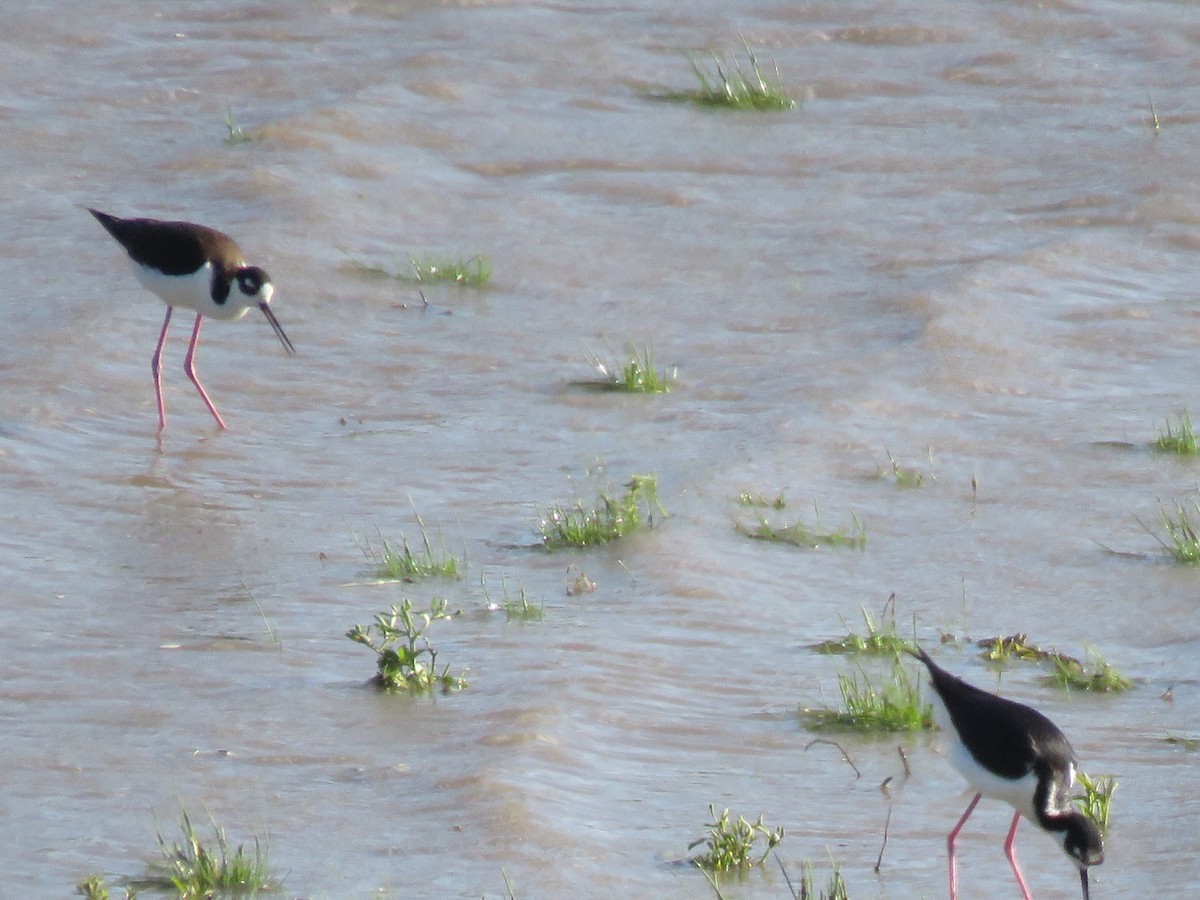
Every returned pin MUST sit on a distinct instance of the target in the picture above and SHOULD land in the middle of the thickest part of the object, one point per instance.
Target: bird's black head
(251, 280)
(1083, 843)
(1080, 839)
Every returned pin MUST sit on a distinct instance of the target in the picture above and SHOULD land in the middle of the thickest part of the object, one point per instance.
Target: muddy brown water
(969, 238)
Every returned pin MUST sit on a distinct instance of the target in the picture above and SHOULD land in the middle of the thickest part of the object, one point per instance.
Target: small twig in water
(903, 759)
(879, 861)
(845, 755)
(786, 876)
(263, 615)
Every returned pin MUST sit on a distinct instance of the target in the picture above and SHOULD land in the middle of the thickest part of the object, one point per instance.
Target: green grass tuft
(94, 888)
(392, 563)
(800, 534)
(1098, 677)
(758, 501)
(517, 607)
(612, 518)
(834, 890)
(729, 85)
(1182, 542)
(1096, 800)
(405, 659)
(633, 374)
(906, 476)
(1179, 437)
(197, 870)
(883, 640)
(896, 706)
(730, 845)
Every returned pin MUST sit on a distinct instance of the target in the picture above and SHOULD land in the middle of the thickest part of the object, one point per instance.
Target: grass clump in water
(801, 534)
(1179, 437)
(834, 890)
(633, 374)
(94, 888)
(474, 272)
(1096, 800)
(895, 706)
(198, 870)
(906, 476)
(1098, 677)
(517, 607)
(392, 563)
(729, 85)
(881, 640)
(405, 659)
(730, 845)
(1017, 646)
(612, 517)
(756, 500)
(1182, 543)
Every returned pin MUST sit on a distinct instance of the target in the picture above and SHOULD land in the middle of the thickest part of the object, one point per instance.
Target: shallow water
(969, 241)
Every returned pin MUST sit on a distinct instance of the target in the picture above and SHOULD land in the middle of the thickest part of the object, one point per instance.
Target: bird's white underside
(192, 292)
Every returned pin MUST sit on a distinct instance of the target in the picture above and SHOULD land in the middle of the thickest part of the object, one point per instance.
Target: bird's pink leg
(156, 369)
(190, 368)
(950, 846)
(1011, 852)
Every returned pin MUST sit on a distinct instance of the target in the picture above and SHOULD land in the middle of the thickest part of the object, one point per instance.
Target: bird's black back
(1005, 737)
(173, 248)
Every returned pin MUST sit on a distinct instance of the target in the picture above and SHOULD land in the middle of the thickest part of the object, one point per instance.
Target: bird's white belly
(1016, 793)
(192, 292)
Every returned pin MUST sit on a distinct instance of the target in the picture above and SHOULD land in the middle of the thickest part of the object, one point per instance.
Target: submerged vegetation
(1187, 743)
(518, 607)
(237, 134)
(801, 534)
(906, 476)
(757, 500)
(474, 271)
(894, 706)
(730, 844)
(611, 518)
(731, 85)
(405, 659)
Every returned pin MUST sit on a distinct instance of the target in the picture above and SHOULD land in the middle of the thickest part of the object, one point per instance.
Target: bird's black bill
(283, 338)
(1083, 879)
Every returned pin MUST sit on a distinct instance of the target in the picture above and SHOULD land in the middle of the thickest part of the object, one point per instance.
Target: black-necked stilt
(198, 268)
(1011, 752)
